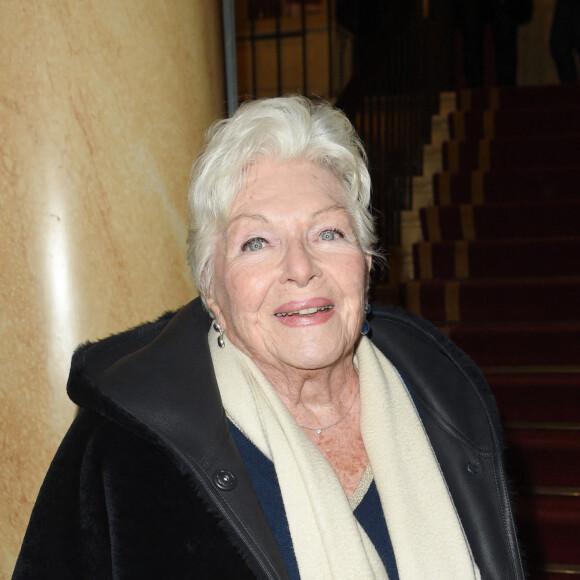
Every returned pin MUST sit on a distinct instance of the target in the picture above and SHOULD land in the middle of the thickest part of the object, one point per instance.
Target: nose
(299, 266)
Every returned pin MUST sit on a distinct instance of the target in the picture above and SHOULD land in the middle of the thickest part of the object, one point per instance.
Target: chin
(313, 359)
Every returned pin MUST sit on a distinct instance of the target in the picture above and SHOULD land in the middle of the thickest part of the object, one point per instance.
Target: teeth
(305, 311)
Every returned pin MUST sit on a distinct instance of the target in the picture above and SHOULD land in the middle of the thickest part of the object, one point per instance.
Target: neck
(316, 397)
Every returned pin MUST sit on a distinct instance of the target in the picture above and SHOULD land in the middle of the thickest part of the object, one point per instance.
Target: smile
(305, 311)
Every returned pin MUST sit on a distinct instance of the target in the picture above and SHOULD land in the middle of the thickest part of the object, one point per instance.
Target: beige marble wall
(103, 105)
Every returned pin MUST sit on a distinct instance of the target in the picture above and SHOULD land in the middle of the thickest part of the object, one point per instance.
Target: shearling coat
(148, 482)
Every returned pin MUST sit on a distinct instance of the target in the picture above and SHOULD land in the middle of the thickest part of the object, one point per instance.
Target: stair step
(497, 258)
(542, 425)
(532, 300)
(490, 124)
(447, 102)
(501, 221)
(557, 572)
(523, 344)
(432, 159)
(550, 397)
(520, 97)
(422, 191)
(439, 129)
(511, 152)
(507, 185)
(549, 528)
(411, 231)
(548, 458)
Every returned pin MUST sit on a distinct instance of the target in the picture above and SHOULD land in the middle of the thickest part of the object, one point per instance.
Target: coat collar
(158, 380)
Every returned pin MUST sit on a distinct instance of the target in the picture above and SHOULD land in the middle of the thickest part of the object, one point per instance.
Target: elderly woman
(258, 432)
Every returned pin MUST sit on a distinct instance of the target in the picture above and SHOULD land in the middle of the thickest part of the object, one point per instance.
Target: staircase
(495, 255)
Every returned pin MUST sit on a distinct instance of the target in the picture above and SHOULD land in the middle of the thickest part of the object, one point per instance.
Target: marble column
(103, 106)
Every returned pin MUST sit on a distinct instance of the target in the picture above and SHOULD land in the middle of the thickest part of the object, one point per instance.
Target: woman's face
(290, 277)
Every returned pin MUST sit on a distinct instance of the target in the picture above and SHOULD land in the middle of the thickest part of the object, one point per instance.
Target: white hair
(287, 129)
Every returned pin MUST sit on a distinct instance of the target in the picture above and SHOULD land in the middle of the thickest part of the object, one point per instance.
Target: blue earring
(366, 327)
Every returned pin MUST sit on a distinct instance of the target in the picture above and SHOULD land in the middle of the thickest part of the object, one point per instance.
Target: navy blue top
(369, 512)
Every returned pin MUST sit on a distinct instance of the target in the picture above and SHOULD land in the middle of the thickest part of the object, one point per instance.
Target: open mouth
(305, 311)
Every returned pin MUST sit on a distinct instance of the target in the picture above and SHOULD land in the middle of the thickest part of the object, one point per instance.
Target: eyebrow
(333, 207)
(253, 217)
(261, 218)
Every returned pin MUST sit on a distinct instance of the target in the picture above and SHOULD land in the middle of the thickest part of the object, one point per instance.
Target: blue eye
(254, 244)
(329, 235)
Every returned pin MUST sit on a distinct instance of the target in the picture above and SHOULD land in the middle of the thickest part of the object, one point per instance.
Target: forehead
(286, 184)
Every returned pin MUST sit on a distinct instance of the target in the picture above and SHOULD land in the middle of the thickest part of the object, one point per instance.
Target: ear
(215, 310)
(369, 260)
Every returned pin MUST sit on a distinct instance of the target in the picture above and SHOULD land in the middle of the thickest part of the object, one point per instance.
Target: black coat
(148, 483)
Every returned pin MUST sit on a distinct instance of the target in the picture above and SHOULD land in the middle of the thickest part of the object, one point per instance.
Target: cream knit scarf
(427, 536)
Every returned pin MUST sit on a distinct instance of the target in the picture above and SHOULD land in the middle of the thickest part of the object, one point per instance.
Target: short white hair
(287, 129)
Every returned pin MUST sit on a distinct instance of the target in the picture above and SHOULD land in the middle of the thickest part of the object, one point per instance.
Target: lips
(305, 311)
(301, 313)
(304, 307)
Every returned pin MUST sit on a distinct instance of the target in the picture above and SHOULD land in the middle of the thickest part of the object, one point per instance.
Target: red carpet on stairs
(494, 221)
(544, 457)
(542, 98)
(499, 272)
(528, 257)
(519, 344)
(537, 397)
(547, 299)
(479, 124)
(559, 150)
(549, 528)
(506, 185)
